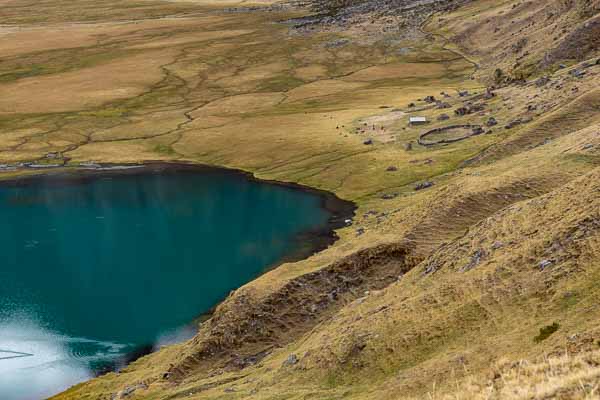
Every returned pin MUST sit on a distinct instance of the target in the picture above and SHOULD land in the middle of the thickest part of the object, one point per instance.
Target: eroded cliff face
(498, 260)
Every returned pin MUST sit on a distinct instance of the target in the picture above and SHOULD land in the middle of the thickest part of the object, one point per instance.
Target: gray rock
(461, 111)
(391, 168)
(291, 360)
(129, 391)
(489, 94)
(491, 122)
(545, 264)
(477, 130)
(443, 117)
(475, 260)
(542, 81)
(513, 123)
(408, 146)
(424, 185)
(389, 196)
(337, 43)
(368, 142)
(577, 73)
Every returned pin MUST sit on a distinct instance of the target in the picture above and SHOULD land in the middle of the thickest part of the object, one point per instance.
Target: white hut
(417, 120)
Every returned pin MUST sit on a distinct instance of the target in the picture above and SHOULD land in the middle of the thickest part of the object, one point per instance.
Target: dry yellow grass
(553, 377)
(85, 88)
(426, 295)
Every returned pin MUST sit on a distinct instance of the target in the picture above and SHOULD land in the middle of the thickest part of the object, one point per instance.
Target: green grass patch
(104, 113)
(164, 149)
(546, 332)
(279, 83)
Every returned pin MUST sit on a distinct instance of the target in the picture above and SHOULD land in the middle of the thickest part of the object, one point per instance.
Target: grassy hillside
(431, 293)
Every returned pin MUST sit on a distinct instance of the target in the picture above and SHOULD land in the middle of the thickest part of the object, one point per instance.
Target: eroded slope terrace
(430, 291)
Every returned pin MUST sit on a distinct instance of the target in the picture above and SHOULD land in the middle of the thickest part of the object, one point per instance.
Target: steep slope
(499, 260)
(518, 39)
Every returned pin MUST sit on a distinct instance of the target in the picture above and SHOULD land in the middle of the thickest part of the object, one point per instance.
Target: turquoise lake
(96, 268)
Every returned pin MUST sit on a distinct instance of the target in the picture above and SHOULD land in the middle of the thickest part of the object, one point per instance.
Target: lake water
(95, 268)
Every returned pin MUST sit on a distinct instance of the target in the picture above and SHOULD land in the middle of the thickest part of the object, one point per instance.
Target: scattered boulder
(469, 109)
(291, 360)
(577, 73)
(476, 108)
(424, 185)
(360, 231)
(368, 142)
(389, 196)
(475, 260)
(489, 94)
(408, 146)
(430, 99)
(513, 123)
(411, 105)
(442, 104)
(128, 391)
(562, 66)
(478, 130)
(337, 43)
(598, 61)
(391, 168)
(491, 122)
(463, 93)
(543, 81)
(443, 117)
(545, 264)
(461, 111)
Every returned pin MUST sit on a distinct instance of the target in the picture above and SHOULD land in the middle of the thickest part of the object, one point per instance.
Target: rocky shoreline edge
(302, 246)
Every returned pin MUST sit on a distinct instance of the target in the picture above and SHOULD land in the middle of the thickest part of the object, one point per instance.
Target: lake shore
(302, 245)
